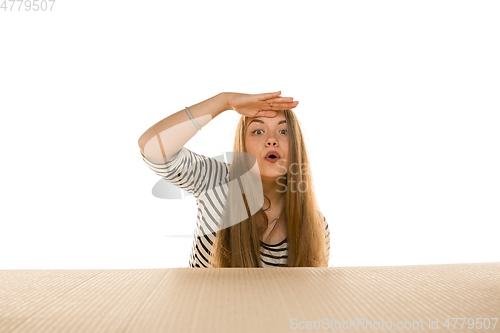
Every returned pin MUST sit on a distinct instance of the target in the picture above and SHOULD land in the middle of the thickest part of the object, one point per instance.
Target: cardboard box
(334, 299)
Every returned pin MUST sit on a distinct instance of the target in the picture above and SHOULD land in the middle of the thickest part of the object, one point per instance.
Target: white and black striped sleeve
(194, 173)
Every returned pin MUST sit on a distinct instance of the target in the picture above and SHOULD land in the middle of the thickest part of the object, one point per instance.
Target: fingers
(280, 100)
(283, 106)
(269, 95)
(279, 103)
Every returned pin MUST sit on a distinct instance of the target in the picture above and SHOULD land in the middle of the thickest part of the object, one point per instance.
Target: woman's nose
(272, 143)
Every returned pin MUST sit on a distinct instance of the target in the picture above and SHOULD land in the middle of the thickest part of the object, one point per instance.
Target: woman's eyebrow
(260, 121)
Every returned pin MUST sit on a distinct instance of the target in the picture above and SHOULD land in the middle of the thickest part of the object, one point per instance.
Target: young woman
(258, 211)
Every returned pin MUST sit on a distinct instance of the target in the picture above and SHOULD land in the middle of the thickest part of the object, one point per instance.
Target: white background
(399, 102)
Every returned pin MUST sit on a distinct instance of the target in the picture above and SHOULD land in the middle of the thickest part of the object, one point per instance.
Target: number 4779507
(472, 322)
(27, 5)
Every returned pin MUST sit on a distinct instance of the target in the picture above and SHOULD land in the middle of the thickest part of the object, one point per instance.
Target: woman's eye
(254, 132)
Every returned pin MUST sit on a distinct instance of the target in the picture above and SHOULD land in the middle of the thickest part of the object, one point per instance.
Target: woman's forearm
(165, 138)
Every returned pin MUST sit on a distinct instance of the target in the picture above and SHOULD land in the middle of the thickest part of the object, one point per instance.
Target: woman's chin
(270, 171)
(271, 174)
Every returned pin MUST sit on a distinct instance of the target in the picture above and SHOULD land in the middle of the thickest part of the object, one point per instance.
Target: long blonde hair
(237, 244)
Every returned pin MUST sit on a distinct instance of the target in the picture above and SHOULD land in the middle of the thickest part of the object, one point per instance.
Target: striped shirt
(206, 179)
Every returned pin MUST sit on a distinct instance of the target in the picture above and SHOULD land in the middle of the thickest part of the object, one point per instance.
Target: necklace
(274, 220)
(274, 225)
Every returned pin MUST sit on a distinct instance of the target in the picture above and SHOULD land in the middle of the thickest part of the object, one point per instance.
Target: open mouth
(272, 157)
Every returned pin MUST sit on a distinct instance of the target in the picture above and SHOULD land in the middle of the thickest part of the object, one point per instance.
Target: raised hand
(259, 105)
